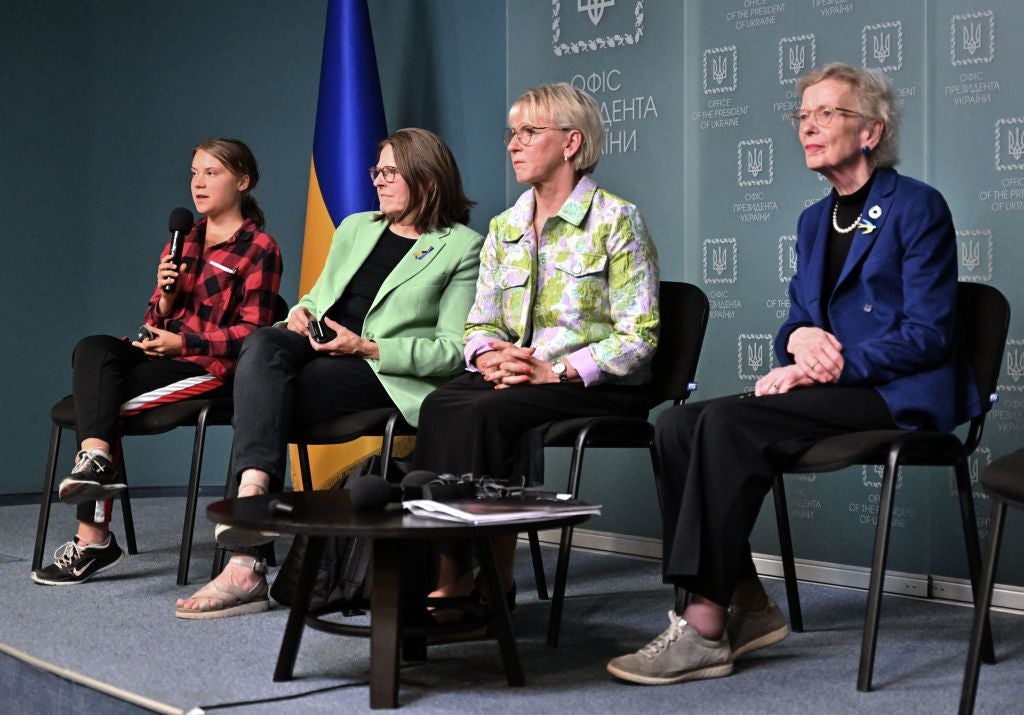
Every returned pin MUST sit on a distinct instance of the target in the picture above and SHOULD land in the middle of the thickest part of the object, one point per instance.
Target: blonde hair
(567, 108)
(875, 100)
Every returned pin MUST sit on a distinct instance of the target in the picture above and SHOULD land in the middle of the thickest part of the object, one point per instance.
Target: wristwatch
(559, 369)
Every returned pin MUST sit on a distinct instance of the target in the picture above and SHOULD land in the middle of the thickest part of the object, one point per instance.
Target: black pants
(468, 427)
(282, 384)
(107, 371)
(718, 459)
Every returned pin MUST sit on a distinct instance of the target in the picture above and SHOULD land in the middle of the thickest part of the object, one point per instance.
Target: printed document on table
(491, 511)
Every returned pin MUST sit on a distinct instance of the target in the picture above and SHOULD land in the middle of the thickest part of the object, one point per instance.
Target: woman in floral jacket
(565, 320)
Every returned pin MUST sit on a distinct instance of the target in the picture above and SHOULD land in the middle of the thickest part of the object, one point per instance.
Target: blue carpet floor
(120, 630)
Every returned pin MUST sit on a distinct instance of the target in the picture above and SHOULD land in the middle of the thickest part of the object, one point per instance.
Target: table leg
(385, 622)
(300, 605)
(502, 619)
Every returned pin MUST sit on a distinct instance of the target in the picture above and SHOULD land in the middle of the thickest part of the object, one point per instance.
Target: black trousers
(468, 427)
(282, 384)
(718, 459)
(107, 371)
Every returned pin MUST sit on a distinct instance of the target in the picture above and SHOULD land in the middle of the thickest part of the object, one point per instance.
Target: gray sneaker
(677, 655)
(751, 630)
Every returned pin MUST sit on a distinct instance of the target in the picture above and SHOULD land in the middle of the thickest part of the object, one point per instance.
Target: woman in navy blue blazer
(870, 343)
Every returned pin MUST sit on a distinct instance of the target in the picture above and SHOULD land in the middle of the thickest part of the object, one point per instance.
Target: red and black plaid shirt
(224, 294)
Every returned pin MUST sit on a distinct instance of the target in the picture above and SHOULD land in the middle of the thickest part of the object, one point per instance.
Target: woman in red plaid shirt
(202, 308)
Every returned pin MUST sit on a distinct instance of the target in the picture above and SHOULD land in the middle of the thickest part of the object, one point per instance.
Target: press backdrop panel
(695, 97)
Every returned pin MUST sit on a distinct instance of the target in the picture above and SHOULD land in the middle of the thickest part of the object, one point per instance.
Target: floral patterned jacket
(588, 294)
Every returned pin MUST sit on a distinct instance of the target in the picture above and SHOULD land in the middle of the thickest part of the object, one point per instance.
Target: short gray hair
(567, 107)
(875, 100)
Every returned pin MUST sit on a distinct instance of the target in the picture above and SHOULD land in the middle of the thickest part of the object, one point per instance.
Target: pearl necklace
(835, 223)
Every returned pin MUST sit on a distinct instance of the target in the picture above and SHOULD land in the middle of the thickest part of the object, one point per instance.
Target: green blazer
(418, 317)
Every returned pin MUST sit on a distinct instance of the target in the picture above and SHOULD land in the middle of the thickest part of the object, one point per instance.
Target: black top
(354, 303)
(848, 209)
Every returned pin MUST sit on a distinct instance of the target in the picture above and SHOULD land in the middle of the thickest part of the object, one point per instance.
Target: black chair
(984, 317)
(684, 318)
(1003, 480)
(385, 422)
(199, 413)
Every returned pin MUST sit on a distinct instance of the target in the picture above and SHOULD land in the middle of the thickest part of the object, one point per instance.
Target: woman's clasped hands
(507, 364)
(818, 354)
(817, 358)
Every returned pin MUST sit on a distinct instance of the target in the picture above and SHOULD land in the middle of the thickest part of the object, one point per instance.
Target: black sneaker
(94, 478)
(75, 564)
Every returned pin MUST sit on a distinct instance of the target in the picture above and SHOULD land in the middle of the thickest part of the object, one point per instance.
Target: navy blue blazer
(894, 305)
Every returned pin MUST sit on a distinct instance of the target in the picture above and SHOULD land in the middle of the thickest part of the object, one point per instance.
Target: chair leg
(973, 544)
(796, 619)
(538, 565)
(45, 497)
(565, 545)
(126, 503)
(387, 443)
(561, 575)
(304, 468)
(982, 604)
(192, 497)
(219, 554)
(869, 640)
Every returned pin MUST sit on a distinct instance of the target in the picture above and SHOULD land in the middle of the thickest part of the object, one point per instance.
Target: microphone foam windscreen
(181, 220)
(418, 478)
(370, 492)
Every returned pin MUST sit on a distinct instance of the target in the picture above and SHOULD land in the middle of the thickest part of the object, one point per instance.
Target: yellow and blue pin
(866, 226)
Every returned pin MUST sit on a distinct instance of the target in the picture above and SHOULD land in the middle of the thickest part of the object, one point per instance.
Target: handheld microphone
(179, 225)
(373, 492)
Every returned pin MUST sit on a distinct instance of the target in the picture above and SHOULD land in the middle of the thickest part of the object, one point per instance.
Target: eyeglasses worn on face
(525, 134)
(822, 116)
(388, 172)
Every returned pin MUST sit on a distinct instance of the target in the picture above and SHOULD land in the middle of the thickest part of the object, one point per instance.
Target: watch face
(558, 368)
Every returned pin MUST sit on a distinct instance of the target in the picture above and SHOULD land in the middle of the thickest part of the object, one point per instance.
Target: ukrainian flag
(349, 124)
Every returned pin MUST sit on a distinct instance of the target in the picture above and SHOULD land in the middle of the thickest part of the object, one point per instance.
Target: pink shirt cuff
(584, 363)
(474, 347)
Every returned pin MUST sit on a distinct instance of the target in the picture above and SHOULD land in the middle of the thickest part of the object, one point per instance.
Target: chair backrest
(684, 319)
(984, 315)
(280, 308)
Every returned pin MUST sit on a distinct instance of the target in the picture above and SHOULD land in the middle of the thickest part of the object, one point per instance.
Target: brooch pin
(866, 226)
(425, 251)
(875, 211)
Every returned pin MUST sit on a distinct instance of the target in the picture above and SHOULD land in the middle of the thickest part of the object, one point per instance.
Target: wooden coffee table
(324, 514)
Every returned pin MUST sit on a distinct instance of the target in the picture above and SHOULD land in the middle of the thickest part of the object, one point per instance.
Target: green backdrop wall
(695, 96)
(104, 100)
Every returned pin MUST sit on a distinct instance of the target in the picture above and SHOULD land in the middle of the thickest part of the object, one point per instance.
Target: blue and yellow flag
(349, 124)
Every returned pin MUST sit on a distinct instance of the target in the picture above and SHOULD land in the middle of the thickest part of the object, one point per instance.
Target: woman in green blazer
(381, 327)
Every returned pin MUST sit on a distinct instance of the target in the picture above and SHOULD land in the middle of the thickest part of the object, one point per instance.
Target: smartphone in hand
(320, 333)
